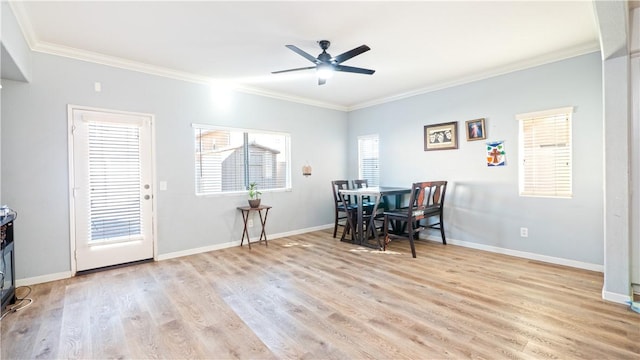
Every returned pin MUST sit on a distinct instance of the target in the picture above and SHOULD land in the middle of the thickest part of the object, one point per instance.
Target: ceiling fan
(326, 65)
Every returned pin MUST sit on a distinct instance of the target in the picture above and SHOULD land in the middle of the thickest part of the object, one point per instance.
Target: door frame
(72, 213)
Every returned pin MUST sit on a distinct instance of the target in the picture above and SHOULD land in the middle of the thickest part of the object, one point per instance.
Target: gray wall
(35, 157)
(482, 204)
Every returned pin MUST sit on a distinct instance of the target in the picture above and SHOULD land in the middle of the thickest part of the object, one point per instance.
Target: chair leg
(344, 233)
(348, 226)
(386, 233)
(444, 240)
(413, 246)
(335, 226)
(347, 230)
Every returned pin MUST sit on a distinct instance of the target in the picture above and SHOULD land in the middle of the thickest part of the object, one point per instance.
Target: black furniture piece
(427, 199)
(7, 262)
(360, 184)
(368, 204)
(246, 211)
(363, 221)
(341, 206)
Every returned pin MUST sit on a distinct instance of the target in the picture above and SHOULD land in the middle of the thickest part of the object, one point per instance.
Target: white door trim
(72, 225)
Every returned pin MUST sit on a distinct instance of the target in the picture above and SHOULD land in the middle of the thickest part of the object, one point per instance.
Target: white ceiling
(416, 46)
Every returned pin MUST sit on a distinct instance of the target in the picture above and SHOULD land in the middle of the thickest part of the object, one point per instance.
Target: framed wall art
(475, 129)
(441, 136)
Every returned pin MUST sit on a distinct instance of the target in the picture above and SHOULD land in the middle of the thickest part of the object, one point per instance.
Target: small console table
(246, 210)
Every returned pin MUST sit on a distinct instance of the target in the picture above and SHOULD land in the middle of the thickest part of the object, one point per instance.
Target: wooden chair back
(336, 186)
(427, 199)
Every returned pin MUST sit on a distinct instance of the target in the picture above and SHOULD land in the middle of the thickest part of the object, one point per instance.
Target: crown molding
(88, 56)
(538, 61)
(112, 61)
(185, 76)
(39, 46)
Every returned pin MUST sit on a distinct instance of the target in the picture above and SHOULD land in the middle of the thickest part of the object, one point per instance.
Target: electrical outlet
(250, 223)
(524, 232)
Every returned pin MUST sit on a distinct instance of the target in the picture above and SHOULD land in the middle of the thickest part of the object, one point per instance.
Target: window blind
(368, 159)
(114, 180)
(545, 154)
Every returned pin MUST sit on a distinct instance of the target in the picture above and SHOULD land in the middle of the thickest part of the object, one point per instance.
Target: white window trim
(545, 113)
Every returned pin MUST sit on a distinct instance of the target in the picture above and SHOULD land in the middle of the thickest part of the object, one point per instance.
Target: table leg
(245, 218)
(371, 226)
(263, 222)
(359, 230)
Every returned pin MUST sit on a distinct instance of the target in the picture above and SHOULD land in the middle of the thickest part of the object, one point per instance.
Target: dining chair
(427, 202)
(342, 205)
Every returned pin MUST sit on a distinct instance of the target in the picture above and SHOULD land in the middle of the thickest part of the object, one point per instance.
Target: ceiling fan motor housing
(324, 57)
(324, 44)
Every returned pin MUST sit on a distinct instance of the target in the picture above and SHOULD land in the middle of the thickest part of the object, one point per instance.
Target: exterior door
(112, 187)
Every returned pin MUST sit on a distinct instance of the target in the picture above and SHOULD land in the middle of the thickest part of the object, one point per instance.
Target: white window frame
(375, 180)
(545, 175)
(287, 179)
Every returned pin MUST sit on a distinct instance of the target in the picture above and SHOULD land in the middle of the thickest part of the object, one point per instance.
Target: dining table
(377, 195)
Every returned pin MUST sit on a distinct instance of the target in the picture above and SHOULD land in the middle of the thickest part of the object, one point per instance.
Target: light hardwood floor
(310, 296)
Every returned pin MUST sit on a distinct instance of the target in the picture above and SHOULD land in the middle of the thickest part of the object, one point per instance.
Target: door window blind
(368, 159)
(114, 180)
(545, 153)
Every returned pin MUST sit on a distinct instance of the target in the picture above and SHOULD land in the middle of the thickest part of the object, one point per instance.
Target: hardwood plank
(311, 296)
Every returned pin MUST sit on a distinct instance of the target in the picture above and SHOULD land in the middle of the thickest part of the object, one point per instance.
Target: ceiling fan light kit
(325, 65)
(324, 71)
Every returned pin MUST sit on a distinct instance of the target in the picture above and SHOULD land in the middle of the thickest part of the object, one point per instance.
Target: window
(545, 153)
(227, 160)
(368, 159)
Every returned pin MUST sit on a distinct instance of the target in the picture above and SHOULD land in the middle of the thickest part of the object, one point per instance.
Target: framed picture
(476, 130)
(441, 136)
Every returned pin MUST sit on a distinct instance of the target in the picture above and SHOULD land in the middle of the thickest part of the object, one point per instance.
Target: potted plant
(254, 195)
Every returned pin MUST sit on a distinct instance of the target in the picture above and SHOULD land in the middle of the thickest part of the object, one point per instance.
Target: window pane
(545, 155)
(227, 160)
(368, 159)
(268, 160)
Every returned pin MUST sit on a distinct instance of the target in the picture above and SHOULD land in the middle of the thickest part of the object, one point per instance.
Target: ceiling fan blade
(351, 53)
(322, 81)
(304, 54)
(284, 71)
(352, 69)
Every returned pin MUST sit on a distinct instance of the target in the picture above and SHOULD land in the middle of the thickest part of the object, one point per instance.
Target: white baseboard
(523, 254)
(43, 279)
(204, 249)
(615, 297)
(532, 256)
(199, 250)
(609, 296)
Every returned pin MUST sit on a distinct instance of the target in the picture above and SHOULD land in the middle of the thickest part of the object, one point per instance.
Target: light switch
(163, 185)
(97, 86)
